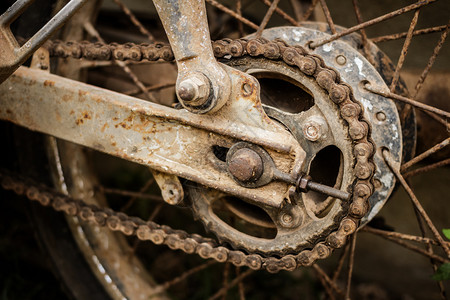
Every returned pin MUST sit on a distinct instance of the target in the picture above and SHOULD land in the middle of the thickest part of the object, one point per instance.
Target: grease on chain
(309, 64)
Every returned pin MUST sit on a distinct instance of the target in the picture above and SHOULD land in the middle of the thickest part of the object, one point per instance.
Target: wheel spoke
(152, 88)
(152, 217)
(396, 36)
(134, 198)
(91, 30)
(363, 33)
(310, 10)
(282, 13)
(412, 102)
(267, 17)
(126, 193)
(341, 261)
(351, 261)
(135, 21)
(327, 14)
(430, 250)
(400, 236)
(233, 14)
(327, 279)
(425, 154)
(387, 157)
(438, 119)
(431, 61)
(241, 288)
(371, 22)
(414, 248)
(404, 51)
(164, 286)
(327, 288)
(239, 12)
(427, 168)
(232, 283)
(226, 272)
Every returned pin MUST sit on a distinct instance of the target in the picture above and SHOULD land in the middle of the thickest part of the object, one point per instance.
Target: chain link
(309, 64)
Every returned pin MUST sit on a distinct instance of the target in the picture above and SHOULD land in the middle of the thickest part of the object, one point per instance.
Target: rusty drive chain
(309, 64)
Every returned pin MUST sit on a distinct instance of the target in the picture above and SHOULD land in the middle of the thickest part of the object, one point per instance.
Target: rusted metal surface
(387, 94)
(404, 51)
(11, 53)
(387, 156)
(377, 20)
(357, 69)
(233, 14)
(267, 17)
(305, 183)
(186, 25)
(295, 223)
(150, 231)
(290, 216)
(108, 254)
(171, 188)
(245, 165)
(396, 36)
(168, 140)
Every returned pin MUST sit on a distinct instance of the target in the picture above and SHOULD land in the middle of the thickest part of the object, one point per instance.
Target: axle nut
(246, 165)
(194, 89)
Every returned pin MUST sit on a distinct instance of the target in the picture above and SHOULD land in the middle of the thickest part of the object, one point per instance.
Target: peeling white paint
(366, 103)
(359, 63)
(376, 208)
(327, 47)
(395, 131)
(387, 179)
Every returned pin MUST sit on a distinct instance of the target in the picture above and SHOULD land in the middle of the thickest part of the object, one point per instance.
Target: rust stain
(106, 125)
(86, 115)
(81, 95)
(49, 83)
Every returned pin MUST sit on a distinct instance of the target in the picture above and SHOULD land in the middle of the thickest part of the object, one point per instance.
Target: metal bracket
(171, 188)
(168, 140)
(12, 55)
(203, 85)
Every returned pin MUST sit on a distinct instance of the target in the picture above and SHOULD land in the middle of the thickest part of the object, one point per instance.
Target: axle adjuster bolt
(246, 165)
(194, 89)
(286, 220)
(314, 128)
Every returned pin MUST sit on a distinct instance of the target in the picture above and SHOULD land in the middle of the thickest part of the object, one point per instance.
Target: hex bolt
(246, 165)
(194, 89)
(290, 218)
(314, 128)
(341, 60)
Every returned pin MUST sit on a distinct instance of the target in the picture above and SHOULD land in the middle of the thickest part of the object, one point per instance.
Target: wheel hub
(321, 127)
